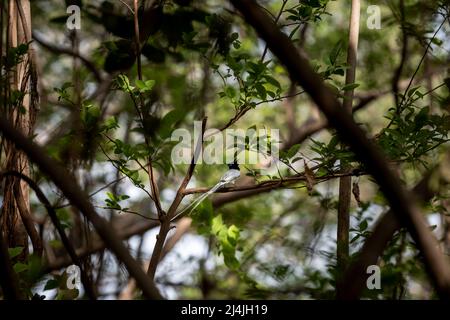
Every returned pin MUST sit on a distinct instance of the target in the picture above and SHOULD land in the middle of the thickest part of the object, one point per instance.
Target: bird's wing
(230, 176)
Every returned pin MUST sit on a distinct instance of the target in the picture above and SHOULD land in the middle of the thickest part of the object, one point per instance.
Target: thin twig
(61, 177)
(276, 21)
(128, 6)
(136, 41)
(420, 63)
(399, 70)
(87, 63)
(127, 211)
(95, 192)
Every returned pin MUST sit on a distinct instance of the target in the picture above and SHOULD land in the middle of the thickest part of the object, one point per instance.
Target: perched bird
(228, 177)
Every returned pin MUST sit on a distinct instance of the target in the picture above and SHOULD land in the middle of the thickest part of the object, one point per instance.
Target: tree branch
(85, 279)
(27, 221)
(167, 218)
(399, 70)
(345, 183)
(77, 197)
(56, 50)
(355, 277)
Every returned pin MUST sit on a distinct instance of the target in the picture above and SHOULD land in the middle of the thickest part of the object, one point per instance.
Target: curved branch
(354, 279)
(27, 221)
(56, 50)
(87, 283)
(126, 226)
(61, 178)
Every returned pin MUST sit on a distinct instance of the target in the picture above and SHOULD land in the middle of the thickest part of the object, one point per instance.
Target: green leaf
(355, 238)
(231, 261)
(412, 91)
(293, 150)
(230, 92)
(272, 81)
(363, 225)
(334, 54)
(110, 124)
(333, 143)
(51, 284)
(421, 118)
(145, 86)
(228, 238)
(111, 196)
(314, 3)
(437, 41)
(217, 225)
(281, 271)
(262, 94)
(124, 83)
(14, 252)
(305, 12)
(168, 122)
(64, 218)
(233, 234)
(350, 86)
(203, 217)
(20, 267)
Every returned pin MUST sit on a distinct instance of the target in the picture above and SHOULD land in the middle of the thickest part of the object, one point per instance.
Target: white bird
(229, 177)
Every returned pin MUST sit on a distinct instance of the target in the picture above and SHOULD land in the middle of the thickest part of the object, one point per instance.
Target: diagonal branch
(57, 50)
(54, 218)
(61, 178)
(167, 218)
(27, 220)
(355, 277)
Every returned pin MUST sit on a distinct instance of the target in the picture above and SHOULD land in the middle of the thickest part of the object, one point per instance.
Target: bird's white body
(230, 176)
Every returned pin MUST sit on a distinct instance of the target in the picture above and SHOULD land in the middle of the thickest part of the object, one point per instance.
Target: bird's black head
(234, 165)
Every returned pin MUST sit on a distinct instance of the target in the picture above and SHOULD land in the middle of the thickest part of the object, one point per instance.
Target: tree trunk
(22, 113)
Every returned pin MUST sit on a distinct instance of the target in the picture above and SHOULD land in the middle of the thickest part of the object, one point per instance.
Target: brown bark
(8, 278)
(23, 116)
(73, 192)
(355, 277)
(85, 279)
(345, 183)
(167, 218)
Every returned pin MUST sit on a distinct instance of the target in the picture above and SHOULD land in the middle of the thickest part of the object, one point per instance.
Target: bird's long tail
(199, 200)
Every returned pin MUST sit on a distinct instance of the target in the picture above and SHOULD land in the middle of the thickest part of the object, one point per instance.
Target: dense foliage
(109, 103)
